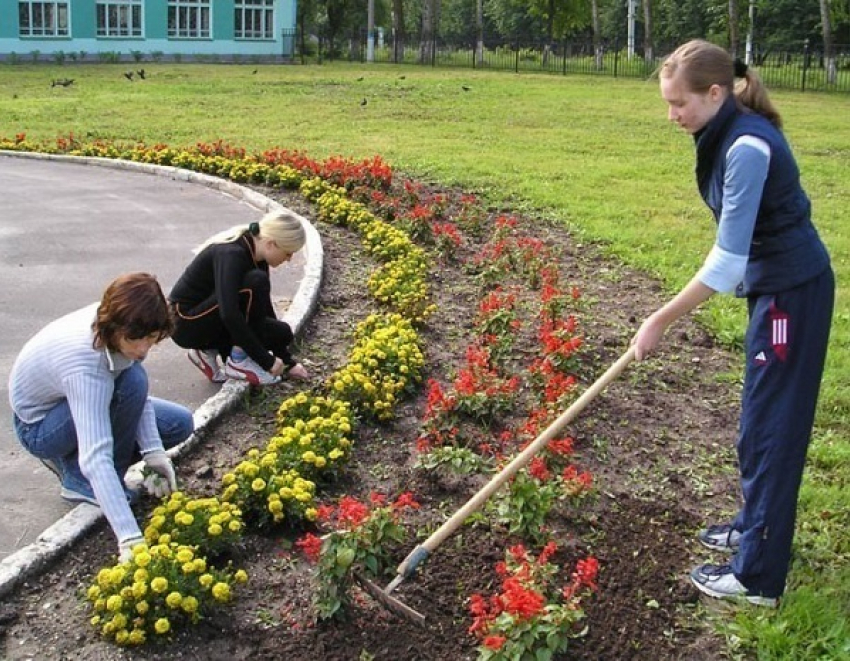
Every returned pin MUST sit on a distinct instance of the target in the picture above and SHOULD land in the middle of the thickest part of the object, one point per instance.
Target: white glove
(161, 481)
(125, 548)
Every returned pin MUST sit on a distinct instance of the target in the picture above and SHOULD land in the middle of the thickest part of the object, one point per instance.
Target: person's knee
(176, 426)
(131, 387)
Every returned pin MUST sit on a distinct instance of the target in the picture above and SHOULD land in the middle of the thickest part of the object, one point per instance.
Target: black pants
(202, 327)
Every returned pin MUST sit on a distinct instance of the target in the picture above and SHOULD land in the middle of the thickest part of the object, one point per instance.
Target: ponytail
(751, 92)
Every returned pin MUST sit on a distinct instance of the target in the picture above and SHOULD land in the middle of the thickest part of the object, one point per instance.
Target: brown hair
(133, 307)
(702, 64)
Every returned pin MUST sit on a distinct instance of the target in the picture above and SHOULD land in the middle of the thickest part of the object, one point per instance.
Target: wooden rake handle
(477, 500)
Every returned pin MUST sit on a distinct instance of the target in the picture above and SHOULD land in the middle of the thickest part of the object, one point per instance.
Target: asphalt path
(66, 230)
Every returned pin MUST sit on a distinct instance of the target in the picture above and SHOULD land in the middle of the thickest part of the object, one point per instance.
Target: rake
(409, 565)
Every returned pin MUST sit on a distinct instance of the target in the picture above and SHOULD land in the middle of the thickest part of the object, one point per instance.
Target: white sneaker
(719, 582)
(207, 362)
(248, 370)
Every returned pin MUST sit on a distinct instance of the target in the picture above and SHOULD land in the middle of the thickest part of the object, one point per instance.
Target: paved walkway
(67, 228)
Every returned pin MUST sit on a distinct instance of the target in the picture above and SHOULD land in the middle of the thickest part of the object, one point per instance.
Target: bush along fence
(182, 570)
(798, 66)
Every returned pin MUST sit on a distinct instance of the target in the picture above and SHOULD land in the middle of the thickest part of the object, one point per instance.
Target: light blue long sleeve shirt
(747, 163)
(59, 363)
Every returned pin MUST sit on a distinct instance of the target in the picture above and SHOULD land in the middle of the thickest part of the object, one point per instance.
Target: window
(43, 19)
(189, 19)
(254, 19)
(119, 19)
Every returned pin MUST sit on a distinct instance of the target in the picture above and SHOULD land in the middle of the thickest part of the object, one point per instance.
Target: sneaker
(207, 362)
(248, 370)
(722, 537)
(719, 582)
(76, 488)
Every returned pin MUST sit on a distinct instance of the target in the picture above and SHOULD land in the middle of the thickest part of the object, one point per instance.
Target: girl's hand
(298, 371)
(648, 336)
(278, 367)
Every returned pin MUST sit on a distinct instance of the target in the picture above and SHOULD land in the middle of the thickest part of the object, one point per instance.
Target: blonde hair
(282, 227)
(702, 64)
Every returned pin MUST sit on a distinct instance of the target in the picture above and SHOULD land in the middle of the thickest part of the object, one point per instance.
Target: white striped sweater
(58, 363)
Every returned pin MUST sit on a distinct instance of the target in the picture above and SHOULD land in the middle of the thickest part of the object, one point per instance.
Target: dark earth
(658, 441)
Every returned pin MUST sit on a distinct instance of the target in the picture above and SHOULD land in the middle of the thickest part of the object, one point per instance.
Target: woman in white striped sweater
(80, 399)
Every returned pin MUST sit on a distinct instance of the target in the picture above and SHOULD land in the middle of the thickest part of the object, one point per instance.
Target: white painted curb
(29, 560)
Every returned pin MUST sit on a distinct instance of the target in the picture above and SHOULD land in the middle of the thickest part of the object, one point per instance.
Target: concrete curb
(27, 561)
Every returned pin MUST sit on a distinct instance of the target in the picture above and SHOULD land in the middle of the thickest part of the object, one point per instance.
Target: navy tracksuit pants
(786, 345)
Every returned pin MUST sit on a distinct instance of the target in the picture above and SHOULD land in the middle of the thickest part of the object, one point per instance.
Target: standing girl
(768, 251)
(223, 306)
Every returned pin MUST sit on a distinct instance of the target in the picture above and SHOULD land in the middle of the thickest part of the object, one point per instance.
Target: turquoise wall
(155, 14)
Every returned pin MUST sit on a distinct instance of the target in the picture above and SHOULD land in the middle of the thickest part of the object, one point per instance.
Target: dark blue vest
(786, 249)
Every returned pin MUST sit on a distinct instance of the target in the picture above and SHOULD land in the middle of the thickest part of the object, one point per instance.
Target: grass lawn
(594, 153)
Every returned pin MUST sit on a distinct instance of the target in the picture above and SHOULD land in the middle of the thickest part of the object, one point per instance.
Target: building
(115, 30)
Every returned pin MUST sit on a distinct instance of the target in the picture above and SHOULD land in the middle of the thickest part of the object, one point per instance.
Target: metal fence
(798, 67)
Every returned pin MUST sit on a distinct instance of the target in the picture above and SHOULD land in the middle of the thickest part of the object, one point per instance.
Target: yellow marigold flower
(199, 565)
(143, 559)
(311, 514)
(241, 576)
(320, 462)
(301, 398)
(140, 589)
(335, 454)
(185, 555)
(215, 530)
(140, 575)
(230, 491)
(253, 453)
(159, 584)
(95, 620)
(164, 540)
(121, 637)
(119, 621)
(188, 567)
(258, 485)
(142, 607)
(286, 493)
(162, 626)
(190, 604)
(275, 507)
(234, 526)
(228, 479)
(137, 637)
(309, 456)
(174, 599)
(100, 605)
(93, 593)
(114, 603)
(221, 592)
(206, 580)
(303, 497)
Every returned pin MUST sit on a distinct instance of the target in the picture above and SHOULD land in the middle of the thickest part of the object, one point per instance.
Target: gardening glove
(125, 548)
(160, 480)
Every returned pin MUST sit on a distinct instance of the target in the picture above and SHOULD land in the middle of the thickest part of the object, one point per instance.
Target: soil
(657, 441)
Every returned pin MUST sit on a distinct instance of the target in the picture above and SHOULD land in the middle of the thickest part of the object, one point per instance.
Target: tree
(597, 36)
(734, 32)
(428, 45)
(648, 47)
(828, 49)
(398, 31)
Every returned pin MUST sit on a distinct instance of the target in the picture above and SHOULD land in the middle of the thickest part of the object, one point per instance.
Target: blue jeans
(54, 437)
